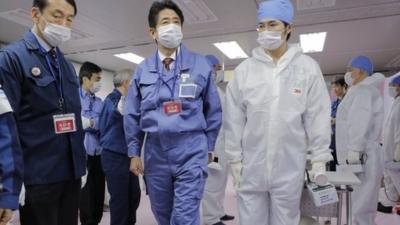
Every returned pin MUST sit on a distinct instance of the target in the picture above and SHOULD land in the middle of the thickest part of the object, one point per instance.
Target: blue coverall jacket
(34, 94)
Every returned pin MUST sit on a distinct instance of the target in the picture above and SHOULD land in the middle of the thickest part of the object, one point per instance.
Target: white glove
(84, 179)
(215, 166)
(86, 122)
(317, 173)
(353, 157)
(236, 168)
(397, 153)
(22, 196)
(121, 105)
(5, 106)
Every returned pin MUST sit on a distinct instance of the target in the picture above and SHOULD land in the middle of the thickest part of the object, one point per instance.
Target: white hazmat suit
(275, 114)
(214, 191)
(358, 128)
(391, 135)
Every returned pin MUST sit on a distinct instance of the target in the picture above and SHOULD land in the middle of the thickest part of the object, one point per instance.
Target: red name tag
(172, 107)
(64, 123)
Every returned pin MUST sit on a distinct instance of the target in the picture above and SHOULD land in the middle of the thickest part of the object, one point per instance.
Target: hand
(136, 166)
(5, 216)
(236, 168)
(317, 173)
(210, 158)
(353, 157)
(397, 154)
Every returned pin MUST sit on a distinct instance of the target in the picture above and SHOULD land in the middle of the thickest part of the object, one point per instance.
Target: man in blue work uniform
(42, 88)
(122, 184)
(11, 168)
(92, 196)
(174, 100)
(339, 87)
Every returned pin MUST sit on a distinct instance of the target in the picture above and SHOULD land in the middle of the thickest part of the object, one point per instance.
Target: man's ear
(152, 33)
(35, 14)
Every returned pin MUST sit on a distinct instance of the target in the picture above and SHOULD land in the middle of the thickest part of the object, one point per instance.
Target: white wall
(106, 81)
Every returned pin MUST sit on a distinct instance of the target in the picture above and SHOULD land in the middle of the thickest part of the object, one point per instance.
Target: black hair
(87, 70)
(340, 82)
(289, 34)
(158, 6)
(41, 4)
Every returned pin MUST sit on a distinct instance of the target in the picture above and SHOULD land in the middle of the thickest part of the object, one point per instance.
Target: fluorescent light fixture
(231, 49)
(313, 42)
(130, 57)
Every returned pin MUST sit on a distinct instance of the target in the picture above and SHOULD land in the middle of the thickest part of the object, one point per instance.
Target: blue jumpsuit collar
(83, 92)
(117, 93)
(185, 55)
(31, 41)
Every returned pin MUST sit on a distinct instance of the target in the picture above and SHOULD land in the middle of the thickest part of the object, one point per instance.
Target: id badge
(187, 90)
(172, 107)
(64, 123)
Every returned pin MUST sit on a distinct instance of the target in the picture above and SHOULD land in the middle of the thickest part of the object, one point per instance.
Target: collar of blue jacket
(30, 41)
(184, 62)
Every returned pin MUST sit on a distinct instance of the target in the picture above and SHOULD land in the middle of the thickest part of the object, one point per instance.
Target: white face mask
(393, 92)
(170, 35)
(56, 34)
(270, 40)
(219, 77)
(95, 87)
(348, 79)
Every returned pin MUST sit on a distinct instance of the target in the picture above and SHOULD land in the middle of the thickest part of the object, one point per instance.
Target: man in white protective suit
(277, 110)
(391, 149)
(358, 128)
(214, 191)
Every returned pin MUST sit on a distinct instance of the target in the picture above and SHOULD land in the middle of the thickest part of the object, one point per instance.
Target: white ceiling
(107, 27)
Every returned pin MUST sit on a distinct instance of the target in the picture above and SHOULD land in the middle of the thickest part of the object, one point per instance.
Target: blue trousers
(175, 173)
(123, 187)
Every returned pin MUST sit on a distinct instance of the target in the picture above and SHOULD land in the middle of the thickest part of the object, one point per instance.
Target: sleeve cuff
(8, 201)
(321, 156)
(211, 144)
(133, 152)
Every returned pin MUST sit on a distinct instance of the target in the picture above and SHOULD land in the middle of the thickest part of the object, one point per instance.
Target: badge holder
(187, 90)
(64, 123)
(172, 107)
(187, 87)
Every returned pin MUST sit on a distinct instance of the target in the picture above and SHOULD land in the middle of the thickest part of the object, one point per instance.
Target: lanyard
(55, 73)
(171, 89)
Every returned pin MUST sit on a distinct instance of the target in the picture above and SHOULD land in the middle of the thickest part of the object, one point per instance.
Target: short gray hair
(122, 76)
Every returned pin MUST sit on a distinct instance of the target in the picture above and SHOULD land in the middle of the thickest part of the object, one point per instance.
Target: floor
(145, 216)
